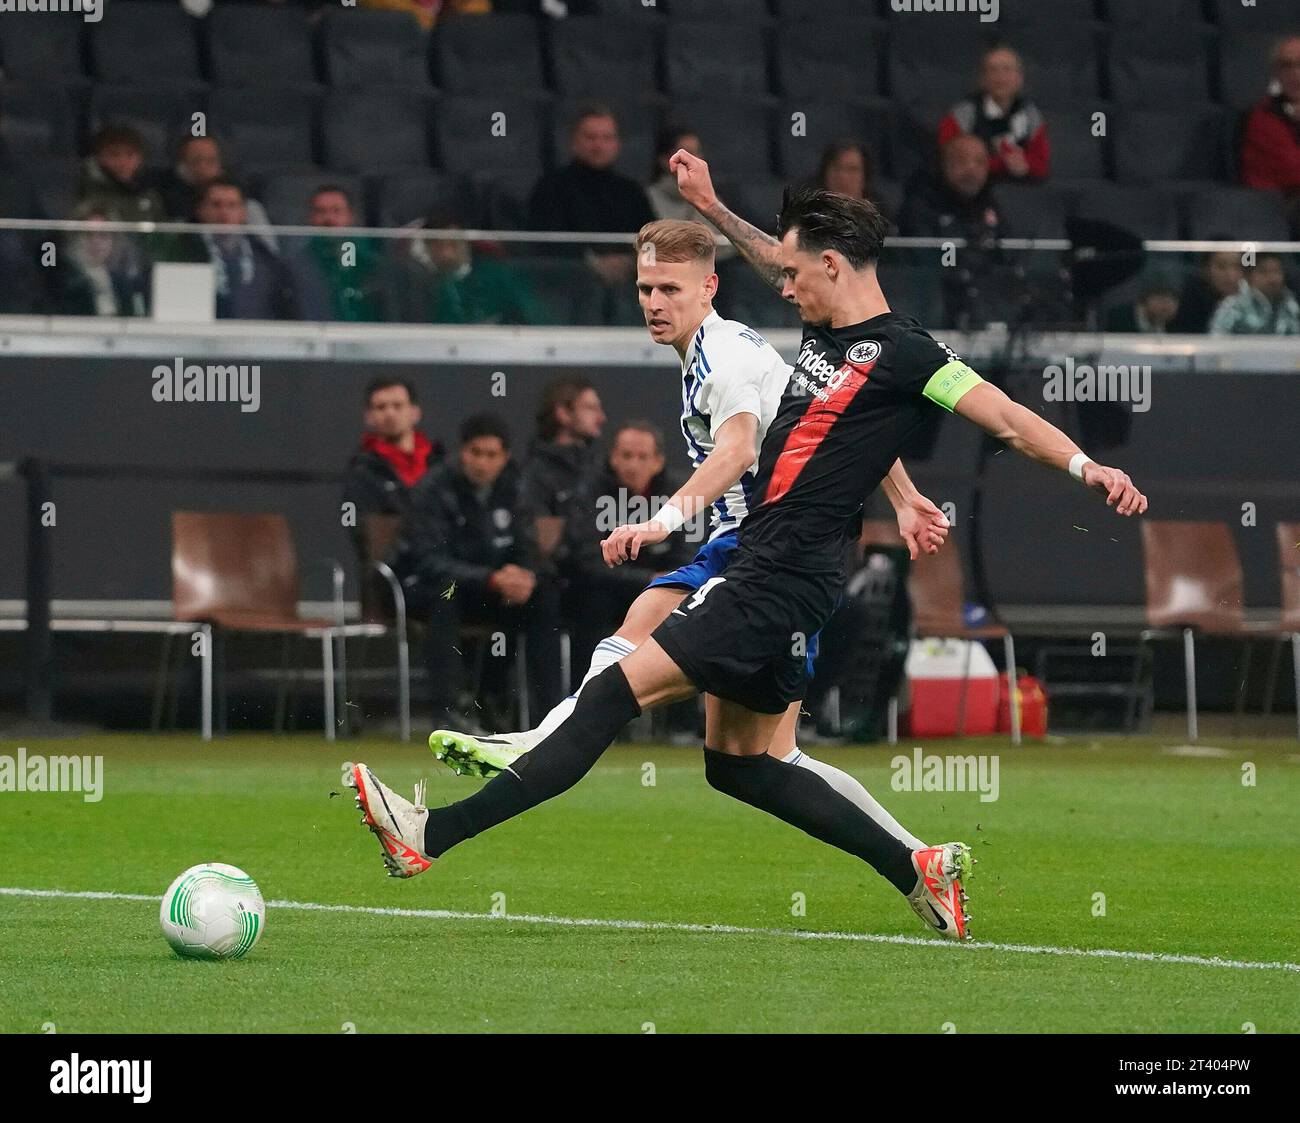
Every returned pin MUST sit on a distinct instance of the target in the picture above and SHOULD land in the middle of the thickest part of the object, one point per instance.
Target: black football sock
(804, 800)
(605, 705)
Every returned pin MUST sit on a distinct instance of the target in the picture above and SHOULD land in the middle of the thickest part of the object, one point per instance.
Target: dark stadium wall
(1210, 444)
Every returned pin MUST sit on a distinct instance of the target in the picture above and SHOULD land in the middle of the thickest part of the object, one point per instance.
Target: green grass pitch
(1190, 861)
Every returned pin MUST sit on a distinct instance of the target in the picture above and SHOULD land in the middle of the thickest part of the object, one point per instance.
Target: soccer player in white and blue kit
(732, 382)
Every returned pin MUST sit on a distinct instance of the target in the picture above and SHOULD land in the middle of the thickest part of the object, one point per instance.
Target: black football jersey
(855, 397)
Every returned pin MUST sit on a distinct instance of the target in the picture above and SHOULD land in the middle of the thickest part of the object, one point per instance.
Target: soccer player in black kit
(863, 382)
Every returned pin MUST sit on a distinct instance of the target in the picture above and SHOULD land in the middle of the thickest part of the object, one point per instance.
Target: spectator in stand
(112, 178)
(95, 273)
(198, 162)
(451, 281)
(1220, 276)
(588, 195)
(848, 168)
(466, 555)
(959, 204)
(427, 12)
(252, 282)
(1263, 305)
(630, 488)
(336, 278)
(1270, 146)
(561, 459)
(394, 454)
(1151, 314)
(1011, 128)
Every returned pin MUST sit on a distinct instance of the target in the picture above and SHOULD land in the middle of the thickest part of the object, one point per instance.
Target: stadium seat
(240, 118)
(743, 13)
(736, 135)
(821, 124)
(1155, 16)
(637, 125)
(829, 61)
(1243, 65)
(921, 76)
(1059, 70)
(500, 200)
(1148, 212)
(146, 42)
(1238, 212)
(594, 56)
(260, 46)
(1075, 152)
(716, 60)
(37, 120)
(757, 199)
(1153, 145)
(159, 112)
(374, 48)
(651, 13)
(55, 180)
(474, 55)
(374, 132)
(827, 11)
(41, 50)
(410, 196)
(463, 129)
(287, 197)
(1032, 210)
(1236, 18)
(1160, 71)
(1034, 13)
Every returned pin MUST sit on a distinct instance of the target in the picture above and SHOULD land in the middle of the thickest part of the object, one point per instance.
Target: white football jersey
(728, 369)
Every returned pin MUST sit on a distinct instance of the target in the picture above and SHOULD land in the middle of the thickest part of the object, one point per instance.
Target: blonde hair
(672, 239)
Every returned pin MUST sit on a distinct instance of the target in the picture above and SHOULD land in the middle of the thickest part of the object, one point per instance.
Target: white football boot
(396, 822)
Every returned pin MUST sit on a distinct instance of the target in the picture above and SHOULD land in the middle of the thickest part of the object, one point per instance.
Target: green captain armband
(950, 383)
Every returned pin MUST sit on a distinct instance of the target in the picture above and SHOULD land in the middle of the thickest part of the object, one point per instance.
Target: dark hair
(829, 221)
(836, 149)
(220, 181)
(1263, 257)
(562, 391)
(639, 425)
(590, 109)
(485, 425)
(116, 134)
(333, 189)
(383, 382)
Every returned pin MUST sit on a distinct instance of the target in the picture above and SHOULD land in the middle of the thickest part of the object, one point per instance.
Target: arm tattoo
(762, 251)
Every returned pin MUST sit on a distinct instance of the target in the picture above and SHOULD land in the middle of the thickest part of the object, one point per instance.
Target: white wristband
(1077, 461)
(670, 516)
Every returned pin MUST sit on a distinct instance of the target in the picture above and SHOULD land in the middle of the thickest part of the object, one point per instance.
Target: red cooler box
(935, 669)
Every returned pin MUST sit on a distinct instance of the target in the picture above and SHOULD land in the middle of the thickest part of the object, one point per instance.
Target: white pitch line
(703, 929)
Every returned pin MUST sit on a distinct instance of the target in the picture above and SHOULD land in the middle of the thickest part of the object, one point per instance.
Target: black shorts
(744, 636)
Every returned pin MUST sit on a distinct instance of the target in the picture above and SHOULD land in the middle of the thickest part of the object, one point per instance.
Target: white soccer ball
(213, 911)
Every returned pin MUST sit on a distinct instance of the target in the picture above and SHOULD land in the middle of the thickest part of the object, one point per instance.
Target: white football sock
(609, 651)
(855, 793)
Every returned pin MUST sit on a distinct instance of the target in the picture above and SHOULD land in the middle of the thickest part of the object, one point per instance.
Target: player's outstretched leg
(468, 755)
